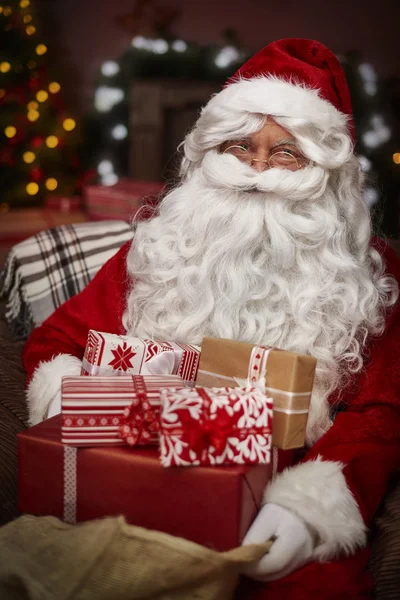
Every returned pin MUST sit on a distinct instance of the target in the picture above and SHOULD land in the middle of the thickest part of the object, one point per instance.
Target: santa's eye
(236, 148)
(244, 147)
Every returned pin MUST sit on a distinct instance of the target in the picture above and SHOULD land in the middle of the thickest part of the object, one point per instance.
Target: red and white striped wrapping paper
(108, 354)
(93, 407)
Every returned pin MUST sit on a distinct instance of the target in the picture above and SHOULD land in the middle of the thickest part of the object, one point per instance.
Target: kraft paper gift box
(288, 377)
(213, 506)
(93, 409)
(107, 354)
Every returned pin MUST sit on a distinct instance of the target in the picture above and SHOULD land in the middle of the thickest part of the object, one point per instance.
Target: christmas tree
(38, 151)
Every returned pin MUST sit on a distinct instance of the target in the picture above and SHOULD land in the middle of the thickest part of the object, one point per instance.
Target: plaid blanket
(46, 269)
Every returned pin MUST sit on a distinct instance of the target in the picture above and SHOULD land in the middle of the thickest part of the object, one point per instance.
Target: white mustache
(225, 171)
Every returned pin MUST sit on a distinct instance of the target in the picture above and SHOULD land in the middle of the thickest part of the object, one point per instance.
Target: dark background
(86, 32)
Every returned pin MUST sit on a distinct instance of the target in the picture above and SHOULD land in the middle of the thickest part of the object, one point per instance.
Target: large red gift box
(213, 506)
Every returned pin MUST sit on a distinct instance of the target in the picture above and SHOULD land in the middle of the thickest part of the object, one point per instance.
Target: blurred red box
(64, 204)
(122, 200)
(213, 506)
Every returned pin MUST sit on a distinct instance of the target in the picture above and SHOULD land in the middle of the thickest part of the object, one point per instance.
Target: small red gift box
(215, 426)
(213, 506)
(122, 200)
(107, 354)
(64, 204)
(93, 409)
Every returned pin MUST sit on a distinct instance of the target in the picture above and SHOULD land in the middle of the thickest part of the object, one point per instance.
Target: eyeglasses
(281, 159)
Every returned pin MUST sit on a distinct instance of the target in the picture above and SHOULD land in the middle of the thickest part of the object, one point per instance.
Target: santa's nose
(259, 164)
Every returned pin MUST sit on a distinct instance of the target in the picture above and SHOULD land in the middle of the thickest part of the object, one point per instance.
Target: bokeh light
(42, 96)
(54, 87)
(5, 67)
(69, 124)
(10, 131)
(41, 49)
(33, 115)
(51, 184)
(29, 157)
(52, 141)
(32, 188)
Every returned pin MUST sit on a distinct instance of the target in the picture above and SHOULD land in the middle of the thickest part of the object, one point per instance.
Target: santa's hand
(292, 547)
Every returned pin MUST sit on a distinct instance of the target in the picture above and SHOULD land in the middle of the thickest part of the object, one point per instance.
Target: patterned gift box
(215, 426)
(107, 354)
(94, 409)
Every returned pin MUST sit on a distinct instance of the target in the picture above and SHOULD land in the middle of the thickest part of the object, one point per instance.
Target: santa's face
(270, 147)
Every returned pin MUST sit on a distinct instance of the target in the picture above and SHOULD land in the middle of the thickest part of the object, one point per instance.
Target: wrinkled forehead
(270, 132)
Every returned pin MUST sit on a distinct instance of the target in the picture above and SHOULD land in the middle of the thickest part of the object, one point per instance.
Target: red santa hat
(292, 78)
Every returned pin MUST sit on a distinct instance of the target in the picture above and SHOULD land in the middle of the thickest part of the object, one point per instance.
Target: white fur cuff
(318, 493)
(46, 384)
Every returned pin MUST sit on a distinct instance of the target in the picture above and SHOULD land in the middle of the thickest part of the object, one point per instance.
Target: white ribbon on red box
(112, 355)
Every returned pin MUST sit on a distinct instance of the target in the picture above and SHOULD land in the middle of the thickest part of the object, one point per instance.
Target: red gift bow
(140, 420)
(205, 432)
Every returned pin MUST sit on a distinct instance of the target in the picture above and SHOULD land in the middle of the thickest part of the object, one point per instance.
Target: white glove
(292, 548)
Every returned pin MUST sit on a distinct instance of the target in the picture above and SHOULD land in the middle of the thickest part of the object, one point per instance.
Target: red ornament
(33, 84)
(37, 141)
(85, 178)
(6, 155)
(36, 173)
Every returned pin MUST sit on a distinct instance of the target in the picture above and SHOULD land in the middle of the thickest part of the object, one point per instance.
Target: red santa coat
(338, 485)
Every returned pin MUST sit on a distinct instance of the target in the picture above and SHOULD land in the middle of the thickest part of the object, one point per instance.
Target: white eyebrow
(289, 141)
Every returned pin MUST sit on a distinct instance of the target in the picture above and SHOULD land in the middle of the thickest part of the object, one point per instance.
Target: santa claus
(267, 239)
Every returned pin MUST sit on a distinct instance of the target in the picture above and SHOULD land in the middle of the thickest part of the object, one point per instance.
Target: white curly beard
(279, 265)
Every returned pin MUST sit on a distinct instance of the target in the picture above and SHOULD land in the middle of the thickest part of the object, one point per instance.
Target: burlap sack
(42, 558)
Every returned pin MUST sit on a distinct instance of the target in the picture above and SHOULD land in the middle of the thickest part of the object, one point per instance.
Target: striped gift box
(93, 407)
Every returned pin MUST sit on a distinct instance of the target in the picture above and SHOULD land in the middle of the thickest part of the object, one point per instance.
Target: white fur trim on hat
(278, 97)
(46, 384)
(318, 493)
